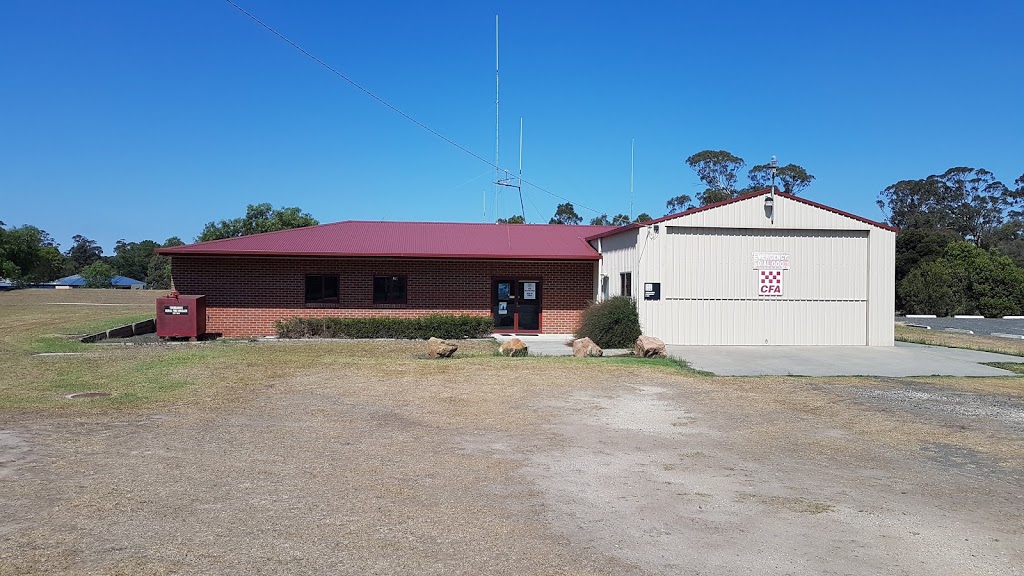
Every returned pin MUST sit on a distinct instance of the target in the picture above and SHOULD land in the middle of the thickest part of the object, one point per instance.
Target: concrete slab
(903, 359)
(550, 344)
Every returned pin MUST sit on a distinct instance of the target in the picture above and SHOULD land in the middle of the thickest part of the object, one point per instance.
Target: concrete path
(903, 359)
(550, 344)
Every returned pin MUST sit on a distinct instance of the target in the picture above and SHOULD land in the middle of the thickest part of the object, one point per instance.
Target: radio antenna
(497, 120)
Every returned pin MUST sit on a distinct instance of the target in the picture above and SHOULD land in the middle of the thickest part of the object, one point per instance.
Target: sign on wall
(770, 261)
(529, 290)
(769, 282)
(652, 290)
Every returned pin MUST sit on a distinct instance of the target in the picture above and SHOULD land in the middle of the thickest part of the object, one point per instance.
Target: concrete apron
(903, 359)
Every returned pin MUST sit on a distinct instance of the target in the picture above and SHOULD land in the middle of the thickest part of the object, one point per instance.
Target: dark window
(321, 289)
(626, 283)
(389, 290)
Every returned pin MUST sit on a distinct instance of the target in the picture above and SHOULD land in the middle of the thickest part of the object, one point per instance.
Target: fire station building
(759, 269)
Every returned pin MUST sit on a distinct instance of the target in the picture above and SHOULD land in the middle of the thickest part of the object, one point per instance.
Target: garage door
(714, 294)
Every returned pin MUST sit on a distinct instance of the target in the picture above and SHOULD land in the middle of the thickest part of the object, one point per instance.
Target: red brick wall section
(245, 295)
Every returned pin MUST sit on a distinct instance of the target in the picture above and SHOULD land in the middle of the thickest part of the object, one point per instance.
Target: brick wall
(245, 295)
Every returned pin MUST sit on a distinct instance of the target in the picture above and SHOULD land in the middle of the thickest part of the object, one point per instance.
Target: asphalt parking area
(980, 326)
(558, 466)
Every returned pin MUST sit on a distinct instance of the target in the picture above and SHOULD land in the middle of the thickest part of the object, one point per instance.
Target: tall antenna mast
(511, 181)
(632, 141)
(497, 171)
(521, 207)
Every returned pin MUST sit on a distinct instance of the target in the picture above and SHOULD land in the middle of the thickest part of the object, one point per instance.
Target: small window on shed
(389, 290)
(321, 289)
(626, 284)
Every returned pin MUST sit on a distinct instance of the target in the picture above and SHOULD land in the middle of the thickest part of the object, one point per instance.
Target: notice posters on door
(504, 289)
(529, 290)
(502, 308)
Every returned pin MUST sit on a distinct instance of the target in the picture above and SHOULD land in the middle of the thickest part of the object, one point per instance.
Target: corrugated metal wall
(619, 255)
(838, 290)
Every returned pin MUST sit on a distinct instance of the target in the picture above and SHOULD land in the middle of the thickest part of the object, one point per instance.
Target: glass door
(504, 305)
(528, 308)
(516, 305)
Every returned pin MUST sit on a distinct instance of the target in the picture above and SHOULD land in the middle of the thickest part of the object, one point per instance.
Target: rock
(438, 348)
(585, 347)
(648, 346)
(514, 347)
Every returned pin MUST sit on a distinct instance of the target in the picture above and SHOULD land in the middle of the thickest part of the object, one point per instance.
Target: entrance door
(517, 305)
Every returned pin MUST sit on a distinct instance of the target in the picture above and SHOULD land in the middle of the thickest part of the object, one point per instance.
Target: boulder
(648, 346)
(514, 347)
(585, 347)
(438, 348)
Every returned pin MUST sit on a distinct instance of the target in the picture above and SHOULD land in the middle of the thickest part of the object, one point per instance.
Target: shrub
(437, 325)
(612, 323)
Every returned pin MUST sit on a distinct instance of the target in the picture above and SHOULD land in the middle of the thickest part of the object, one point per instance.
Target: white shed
(760, 269)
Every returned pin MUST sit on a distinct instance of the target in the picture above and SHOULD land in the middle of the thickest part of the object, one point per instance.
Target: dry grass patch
(1010, 346)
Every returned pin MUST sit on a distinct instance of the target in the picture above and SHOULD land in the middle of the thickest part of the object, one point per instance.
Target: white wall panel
(618, 255)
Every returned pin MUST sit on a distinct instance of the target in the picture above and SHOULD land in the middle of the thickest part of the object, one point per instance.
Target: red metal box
(179, 316)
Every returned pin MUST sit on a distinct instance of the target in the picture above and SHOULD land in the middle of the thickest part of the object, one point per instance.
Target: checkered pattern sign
(769, 283)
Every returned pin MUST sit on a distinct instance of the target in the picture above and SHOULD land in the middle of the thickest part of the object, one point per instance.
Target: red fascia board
(173, 252)
(739, 199)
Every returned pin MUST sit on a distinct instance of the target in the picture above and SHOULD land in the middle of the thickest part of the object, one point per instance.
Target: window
(389, 290)
(321, 289)
(604, 287)
(626, 284)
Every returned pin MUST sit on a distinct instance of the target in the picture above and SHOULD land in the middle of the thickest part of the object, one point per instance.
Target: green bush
(612, 323)
(436, 325)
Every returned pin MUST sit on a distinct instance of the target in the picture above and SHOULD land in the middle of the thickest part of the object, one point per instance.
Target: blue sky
(143, 120)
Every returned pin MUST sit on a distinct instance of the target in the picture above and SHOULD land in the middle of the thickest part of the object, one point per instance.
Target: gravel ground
(557, 467)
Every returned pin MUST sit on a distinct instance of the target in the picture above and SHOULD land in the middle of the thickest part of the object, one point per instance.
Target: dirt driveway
(559, 466)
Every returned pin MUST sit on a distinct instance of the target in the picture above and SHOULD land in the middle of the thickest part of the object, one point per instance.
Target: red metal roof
(738, 199)
(412, 240)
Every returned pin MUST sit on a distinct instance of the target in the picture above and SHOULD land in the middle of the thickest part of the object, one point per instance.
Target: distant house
(76, 281)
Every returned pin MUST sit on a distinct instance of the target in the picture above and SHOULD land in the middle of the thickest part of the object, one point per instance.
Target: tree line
(960, 249)
(718, 171)
(29, 255)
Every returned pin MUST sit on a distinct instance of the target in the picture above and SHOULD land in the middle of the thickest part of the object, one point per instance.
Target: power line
(395, 109)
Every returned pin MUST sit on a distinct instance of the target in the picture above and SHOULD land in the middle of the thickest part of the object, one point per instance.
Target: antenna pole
(632, 141)
(520, 187)
(497, 171)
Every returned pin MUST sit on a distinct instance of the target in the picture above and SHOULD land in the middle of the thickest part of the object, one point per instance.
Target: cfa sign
(769, 283)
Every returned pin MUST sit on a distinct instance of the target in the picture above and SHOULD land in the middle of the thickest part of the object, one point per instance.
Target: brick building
(529, 278)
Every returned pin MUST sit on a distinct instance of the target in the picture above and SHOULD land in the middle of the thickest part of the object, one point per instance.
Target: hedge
(611, 323)
(436, 325)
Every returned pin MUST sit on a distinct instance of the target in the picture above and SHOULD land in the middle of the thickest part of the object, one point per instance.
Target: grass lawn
(40, 321)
